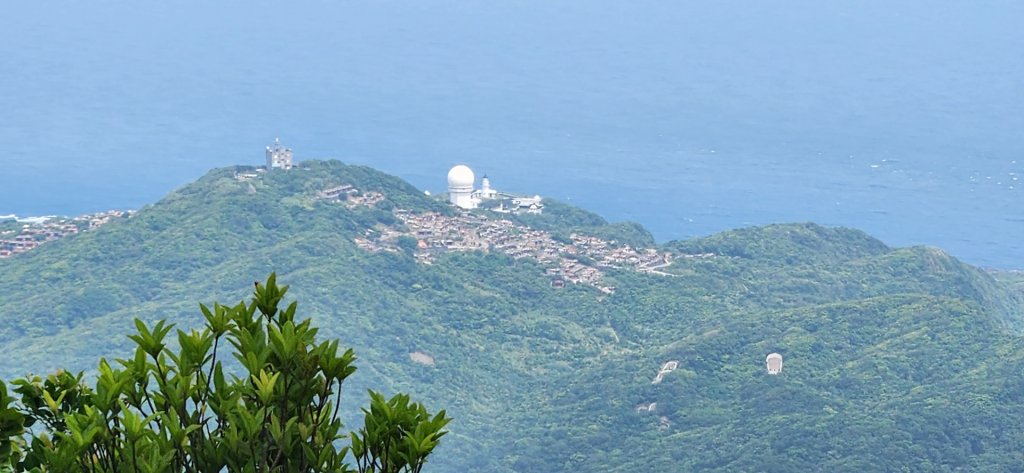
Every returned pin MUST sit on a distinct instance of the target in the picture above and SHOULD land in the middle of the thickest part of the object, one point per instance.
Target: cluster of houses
(102, 218)
(583, 260)
(609, 254)
(351, 196)
(367, 199)
(25, 235)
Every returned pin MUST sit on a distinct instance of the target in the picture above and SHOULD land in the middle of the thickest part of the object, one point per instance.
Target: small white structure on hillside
(278, 157)
(666, 368)
(531, 205)
(774, 362)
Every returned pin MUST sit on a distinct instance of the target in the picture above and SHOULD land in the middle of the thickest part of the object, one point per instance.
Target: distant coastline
(35, 231)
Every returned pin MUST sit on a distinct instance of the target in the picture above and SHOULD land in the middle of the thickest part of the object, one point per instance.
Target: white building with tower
(485, 189)
(462, 194)
(278, 157)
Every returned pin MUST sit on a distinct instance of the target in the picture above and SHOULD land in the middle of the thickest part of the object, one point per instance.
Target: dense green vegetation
(175, 410)
(894, 358)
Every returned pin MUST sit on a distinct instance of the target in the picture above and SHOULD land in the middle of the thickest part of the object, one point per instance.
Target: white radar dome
(461, 176)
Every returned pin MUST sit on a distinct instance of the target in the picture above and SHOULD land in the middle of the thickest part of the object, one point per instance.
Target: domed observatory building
(460, 187)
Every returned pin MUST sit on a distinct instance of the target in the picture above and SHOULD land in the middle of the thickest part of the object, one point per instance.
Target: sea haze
(902, 118)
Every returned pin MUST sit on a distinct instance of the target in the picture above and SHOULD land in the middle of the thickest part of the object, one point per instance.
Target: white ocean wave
(35, 220)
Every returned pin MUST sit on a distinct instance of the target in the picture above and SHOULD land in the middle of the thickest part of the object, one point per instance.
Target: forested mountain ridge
(894, 358)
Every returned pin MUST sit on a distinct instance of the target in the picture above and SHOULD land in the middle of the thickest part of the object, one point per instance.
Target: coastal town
(581, 259)
(21, 235)
(575, 259)
(480, 225)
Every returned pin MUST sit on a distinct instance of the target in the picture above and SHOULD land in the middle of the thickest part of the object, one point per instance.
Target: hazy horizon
(899, 118)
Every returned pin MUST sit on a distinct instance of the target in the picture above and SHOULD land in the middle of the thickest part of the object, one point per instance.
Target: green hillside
(894, 359)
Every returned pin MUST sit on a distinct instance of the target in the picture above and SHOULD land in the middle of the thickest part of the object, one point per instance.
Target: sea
(901, 118)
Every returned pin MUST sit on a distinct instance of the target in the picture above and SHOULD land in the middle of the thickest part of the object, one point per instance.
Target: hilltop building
(460, 187)
(461, 193)
(278, 157)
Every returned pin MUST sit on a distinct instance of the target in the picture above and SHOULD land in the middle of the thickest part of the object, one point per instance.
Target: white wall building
(278, 157)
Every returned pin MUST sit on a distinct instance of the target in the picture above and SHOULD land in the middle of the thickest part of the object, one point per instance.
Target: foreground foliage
(177, 411)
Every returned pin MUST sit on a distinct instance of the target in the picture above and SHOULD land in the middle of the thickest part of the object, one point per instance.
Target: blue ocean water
(901, 118)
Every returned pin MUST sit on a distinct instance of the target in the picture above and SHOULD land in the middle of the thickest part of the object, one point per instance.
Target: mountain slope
(893, 357)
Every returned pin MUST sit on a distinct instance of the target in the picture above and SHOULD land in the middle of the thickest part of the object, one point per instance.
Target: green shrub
(177, 411)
